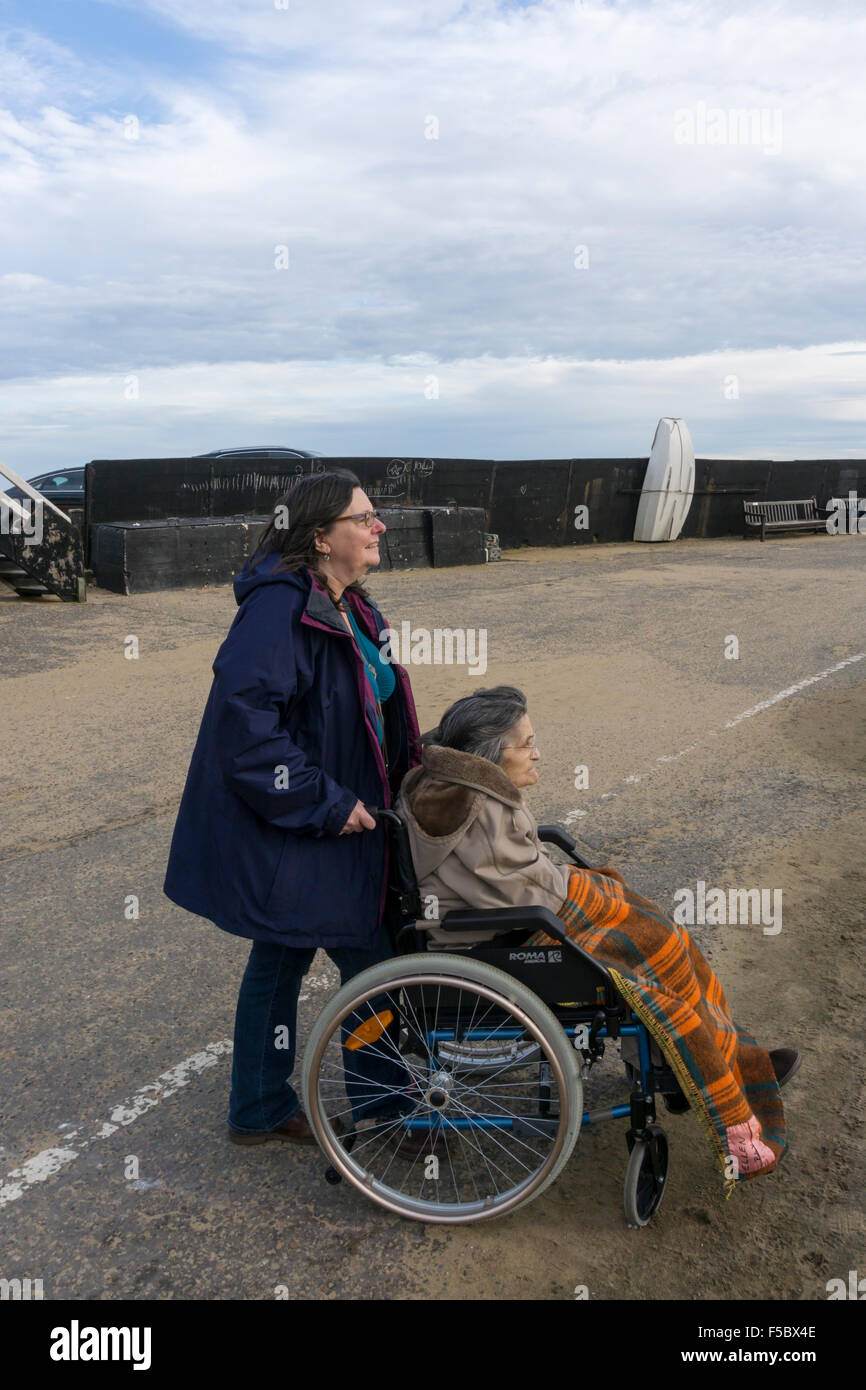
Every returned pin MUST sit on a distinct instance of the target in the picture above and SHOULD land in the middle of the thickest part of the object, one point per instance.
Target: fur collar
(446, 790)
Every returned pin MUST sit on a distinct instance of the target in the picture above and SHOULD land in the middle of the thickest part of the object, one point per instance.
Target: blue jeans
(261, 1096)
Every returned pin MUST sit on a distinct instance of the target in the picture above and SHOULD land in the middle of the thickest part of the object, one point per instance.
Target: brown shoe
(295, 1131)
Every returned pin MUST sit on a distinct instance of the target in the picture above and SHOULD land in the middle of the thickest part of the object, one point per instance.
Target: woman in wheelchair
(475, 844)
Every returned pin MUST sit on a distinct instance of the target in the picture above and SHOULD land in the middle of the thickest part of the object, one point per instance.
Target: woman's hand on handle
(360, 819)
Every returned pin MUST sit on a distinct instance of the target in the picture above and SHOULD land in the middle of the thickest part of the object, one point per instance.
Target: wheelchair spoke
(512, 1116)
(419, 1029)
(492, 1135)
(477, 1148)
(454, 1175)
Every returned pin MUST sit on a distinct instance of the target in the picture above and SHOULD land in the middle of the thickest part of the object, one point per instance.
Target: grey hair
(481, 722)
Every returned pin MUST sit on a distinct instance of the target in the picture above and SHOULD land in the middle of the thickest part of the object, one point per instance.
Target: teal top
(379, 670)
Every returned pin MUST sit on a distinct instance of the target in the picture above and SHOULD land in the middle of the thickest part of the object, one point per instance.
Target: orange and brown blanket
(660, 972)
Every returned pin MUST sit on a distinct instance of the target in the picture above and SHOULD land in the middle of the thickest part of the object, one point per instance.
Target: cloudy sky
(496, 228)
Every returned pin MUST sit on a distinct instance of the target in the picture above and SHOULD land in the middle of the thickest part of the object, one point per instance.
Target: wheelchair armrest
(533, 918)
(555, 835)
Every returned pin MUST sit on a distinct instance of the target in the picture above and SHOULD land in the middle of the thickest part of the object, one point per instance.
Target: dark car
(64, 489)
(268, 451)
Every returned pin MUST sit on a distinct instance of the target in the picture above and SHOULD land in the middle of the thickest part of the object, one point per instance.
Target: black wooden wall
(526, 501)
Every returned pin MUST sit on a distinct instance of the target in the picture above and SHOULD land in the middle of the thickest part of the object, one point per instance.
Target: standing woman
(304, 724)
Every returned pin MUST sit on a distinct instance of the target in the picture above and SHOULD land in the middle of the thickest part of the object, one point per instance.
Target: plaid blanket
(660, 972)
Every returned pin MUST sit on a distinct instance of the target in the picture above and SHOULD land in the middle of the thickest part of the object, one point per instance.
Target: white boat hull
(668, 485)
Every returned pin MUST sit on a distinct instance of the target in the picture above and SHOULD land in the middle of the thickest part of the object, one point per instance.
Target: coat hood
(251, 577)
(442, 797)
(316, 599)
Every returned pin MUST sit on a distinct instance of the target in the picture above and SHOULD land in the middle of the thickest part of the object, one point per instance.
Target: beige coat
(474, 842)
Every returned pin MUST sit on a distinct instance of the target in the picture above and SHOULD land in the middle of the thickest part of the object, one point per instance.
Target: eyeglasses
(523, 747)
(365, 517)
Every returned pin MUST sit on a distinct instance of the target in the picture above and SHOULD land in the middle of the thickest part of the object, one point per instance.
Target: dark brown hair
(313, 503)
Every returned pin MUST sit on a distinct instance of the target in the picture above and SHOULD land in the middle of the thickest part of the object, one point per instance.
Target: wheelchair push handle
(555, 835)
(376, 811)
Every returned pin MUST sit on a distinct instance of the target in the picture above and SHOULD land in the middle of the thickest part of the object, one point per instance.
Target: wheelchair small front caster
(646, 1175)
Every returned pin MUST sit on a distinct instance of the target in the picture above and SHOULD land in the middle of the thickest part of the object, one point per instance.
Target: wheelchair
(446, 1084)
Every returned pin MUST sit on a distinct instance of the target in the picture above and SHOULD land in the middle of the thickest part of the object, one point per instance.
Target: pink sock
(746, 1146)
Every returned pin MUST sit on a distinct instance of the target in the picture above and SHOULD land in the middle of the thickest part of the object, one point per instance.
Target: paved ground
(116, 1032)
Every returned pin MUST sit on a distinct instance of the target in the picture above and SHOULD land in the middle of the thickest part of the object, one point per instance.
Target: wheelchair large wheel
(480, 1142)
(646, 1176)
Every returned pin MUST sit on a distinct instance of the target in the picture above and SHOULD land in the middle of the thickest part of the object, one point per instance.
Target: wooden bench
(799, 515)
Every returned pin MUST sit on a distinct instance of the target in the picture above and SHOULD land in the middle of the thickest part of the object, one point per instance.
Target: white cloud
(339, 406)
(25, 282)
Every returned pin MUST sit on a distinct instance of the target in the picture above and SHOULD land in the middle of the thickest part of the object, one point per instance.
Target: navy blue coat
(286, 748)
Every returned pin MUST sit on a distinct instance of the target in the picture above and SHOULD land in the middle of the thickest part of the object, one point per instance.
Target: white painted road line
(50, 1161)
(793, 689)
(579, 812)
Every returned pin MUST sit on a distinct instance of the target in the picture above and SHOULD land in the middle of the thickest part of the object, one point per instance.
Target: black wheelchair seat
(559, 971)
